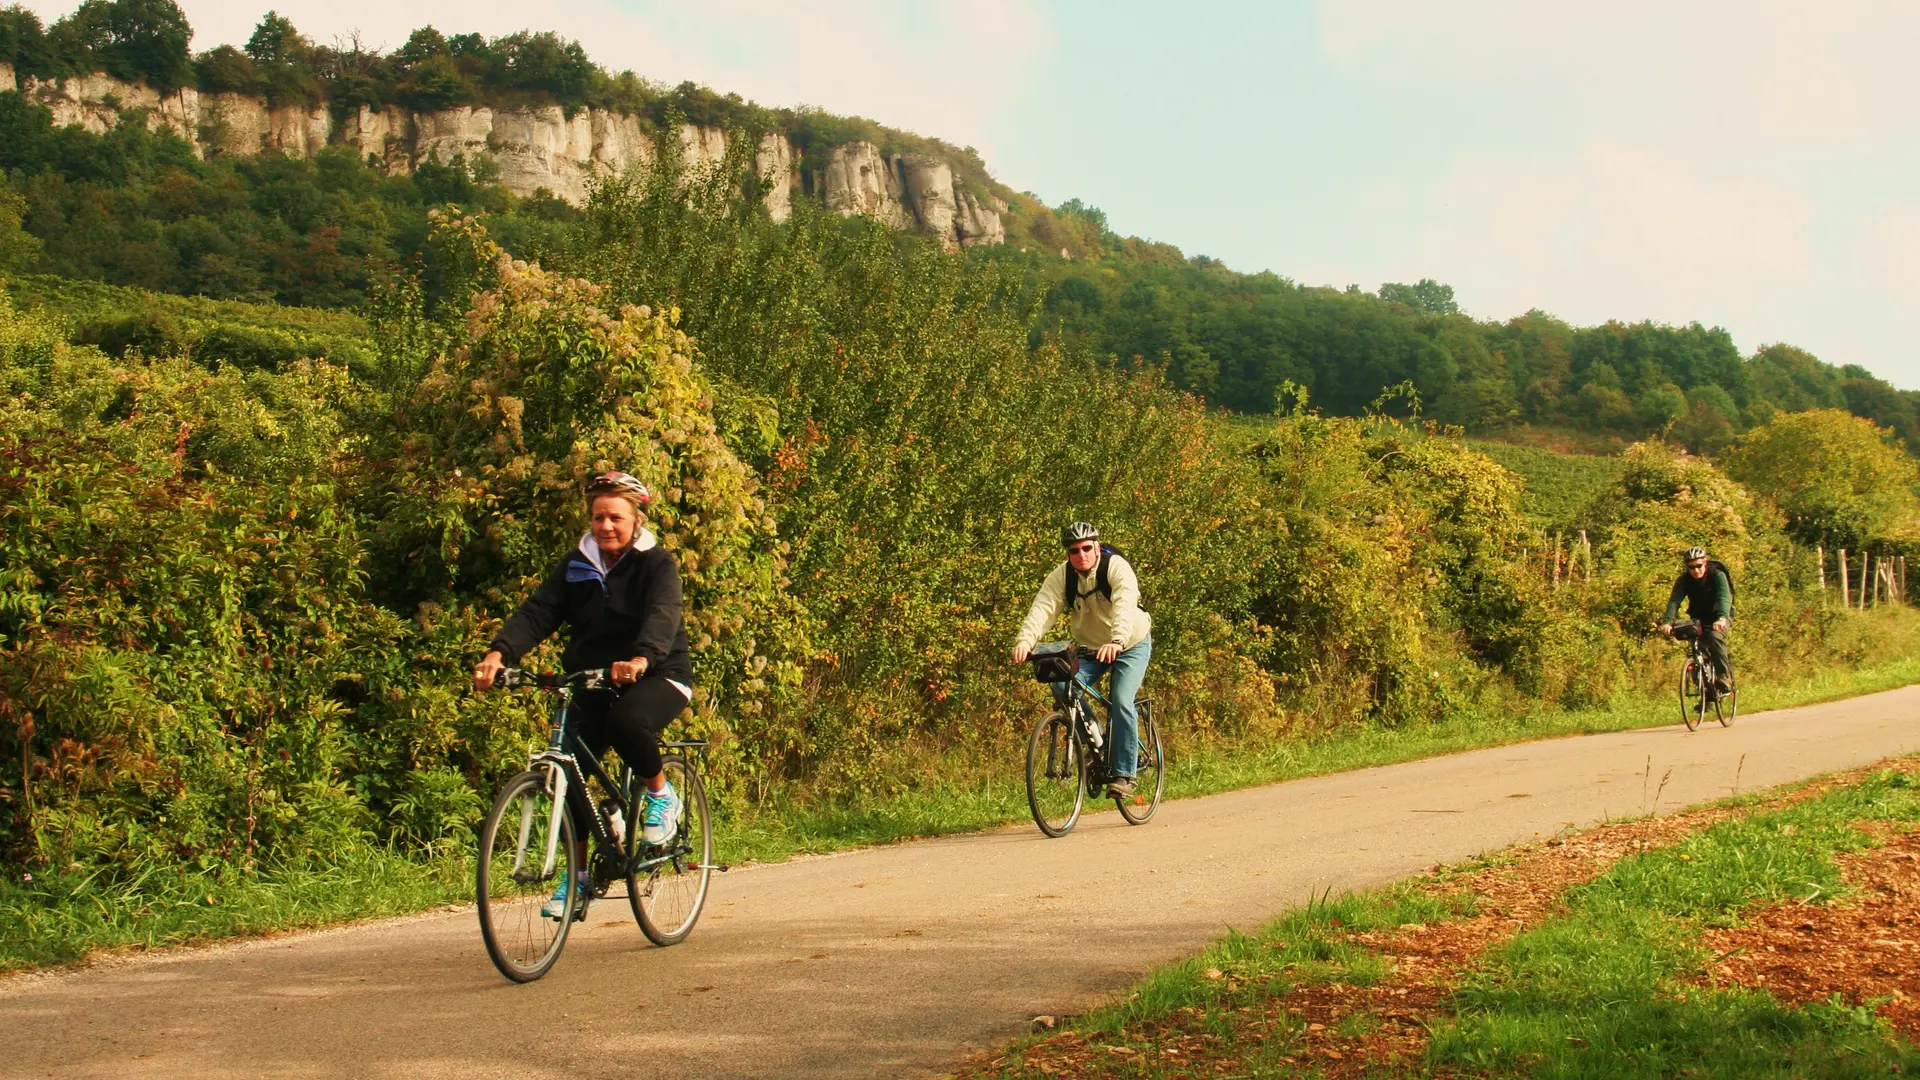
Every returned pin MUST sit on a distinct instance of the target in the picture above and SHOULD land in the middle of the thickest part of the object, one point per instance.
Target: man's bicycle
(1068, 749)
(527, 843)
(1697, 692)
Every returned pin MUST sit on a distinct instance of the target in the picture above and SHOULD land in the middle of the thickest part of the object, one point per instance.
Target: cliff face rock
(94, 102)
(905, 189)
(774, 162)
(240, 124)
(534, 148)
(858, 180)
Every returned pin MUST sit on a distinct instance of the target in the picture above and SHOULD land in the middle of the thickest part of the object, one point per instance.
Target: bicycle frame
(564, 757)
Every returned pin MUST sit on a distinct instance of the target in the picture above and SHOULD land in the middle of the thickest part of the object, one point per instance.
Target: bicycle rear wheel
(668, 895)
(1693, 701)
(510, 889)
(1150, 777)
(1056, 775)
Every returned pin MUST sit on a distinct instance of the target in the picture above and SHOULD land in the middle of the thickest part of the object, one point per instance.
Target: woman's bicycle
(1068, 749)
(1697, 693)
(528, 849)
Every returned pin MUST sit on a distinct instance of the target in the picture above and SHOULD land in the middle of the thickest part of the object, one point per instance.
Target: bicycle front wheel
(1693, 698)
(1724, 706)
(667, 885)
(1150, 776)
(1056, 775)
(510, 888)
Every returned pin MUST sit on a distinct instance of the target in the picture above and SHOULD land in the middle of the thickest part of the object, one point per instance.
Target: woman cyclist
(620, 594)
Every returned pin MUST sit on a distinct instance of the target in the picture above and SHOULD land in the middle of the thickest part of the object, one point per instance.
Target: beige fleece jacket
(1095, 620)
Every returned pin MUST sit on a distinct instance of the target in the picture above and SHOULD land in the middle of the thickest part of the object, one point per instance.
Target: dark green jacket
(1709, 598)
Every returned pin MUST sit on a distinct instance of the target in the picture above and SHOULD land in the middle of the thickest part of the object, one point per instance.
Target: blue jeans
(1129, 668)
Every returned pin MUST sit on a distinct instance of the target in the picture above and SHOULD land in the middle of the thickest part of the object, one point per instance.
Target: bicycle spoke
(667, 887)
(510, 889)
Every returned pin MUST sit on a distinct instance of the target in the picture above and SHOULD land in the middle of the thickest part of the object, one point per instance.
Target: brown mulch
(1521, 890)
(1865, 948)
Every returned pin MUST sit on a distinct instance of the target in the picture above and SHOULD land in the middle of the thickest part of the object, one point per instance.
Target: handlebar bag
(1055, 661)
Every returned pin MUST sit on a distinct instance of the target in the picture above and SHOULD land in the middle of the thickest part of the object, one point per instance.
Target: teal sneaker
(660, 815)
(557, 903)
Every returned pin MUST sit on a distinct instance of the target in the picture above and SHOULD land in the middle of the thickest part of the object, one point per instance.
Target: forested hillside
(137, 207)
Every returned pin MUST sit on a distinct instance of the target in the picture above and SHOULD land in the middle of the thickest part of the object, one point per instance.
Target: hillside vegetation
(134, 207)
(240, 598)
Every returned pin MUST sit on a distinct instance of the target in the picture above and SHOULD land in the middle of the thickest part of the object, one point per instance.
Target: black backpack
(1100, 583)
(1715, 564)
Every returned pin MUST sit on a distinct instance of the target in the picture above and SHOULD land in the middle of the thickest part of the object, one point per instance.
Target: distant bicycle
(1697, 693)
(1067, 751)
(528, 839)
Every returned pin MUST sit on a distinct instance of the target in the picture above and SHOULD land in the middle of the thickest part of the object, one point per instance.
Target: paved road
(888, 962)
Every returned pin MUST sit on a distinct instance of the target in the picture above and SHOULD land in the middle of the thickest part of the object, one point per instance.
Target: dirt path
(888, 962)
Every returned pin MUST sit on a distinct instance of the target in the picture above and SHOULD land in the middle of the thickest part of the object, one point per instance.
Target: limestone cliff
(535, 148)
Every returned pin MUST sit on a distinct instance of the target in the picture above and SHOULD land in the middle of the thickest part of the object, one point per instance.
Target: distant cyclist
(620, 592)
(1097, 589)
(1708, 591)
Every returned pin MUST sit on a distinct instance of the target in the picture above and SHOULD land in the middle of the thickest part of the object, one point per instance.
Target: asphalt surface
(889, 962)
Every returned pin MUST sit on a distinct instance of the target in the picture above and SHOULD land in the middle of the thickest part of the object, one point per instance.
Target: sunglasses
(1082, 549)
(1696, 566)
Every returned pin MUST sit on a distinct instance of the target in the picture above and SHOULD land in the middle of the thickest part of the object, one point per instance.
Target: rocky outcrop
(774, 162)
(242, 124)
(907, 189)
(859, 180)
(534, 149)
(95, 101)
(7, 79)
(978, 223)
(383, 136)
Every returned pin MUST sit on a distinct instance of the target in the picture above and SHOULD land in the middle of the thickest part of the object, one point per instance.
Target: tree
(23, 41)
(1839, 478)
(149, 41)
(17, 247)
(1428, 295)
(276, 41)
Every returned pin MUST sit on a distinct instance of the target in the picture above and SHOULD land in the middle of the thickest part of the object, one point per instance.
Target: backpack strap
(1072, 586)
(1100, 584)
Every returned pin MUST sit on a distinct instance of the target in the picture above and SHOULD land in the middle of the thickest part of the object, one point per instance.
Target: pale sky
(1752, 165)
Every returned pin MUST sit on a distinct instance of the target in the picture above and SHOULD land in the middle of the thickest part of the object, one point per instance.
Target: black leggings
(631, 724)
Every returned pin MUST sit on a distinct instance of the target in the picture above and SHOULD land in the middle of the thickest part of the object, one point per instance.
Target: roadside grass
(64, 917)
(58, 919)
(1612, 987)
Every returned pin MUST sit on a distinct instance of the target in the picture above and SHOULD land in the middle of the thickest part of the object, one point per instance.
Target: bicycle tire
(667, 897)
(1692, 699)
(1056, 775)
(1150, 774)
(521, 941)
(1725, 706)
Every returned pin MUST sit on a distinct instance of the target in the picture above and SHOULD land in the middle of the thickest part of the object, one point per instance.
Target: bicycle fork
(557, 781)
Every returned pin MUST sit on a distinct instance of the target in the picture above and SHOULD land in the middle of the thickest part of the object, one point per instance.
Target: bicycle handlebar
(513, 678)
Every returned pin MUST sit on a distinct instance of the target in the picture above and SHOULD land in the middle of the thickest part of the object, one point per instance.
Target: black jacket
(636, 611)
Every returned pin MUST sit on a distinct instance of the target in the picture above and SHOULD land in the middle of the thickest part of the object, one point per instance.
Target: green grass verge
(1607, 991)
(61, 918)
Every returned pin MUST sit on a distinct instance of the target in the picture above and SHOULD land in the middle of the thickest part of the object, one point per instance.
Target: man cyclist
(620, 593)
(1097, 589)
(1709, 597)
